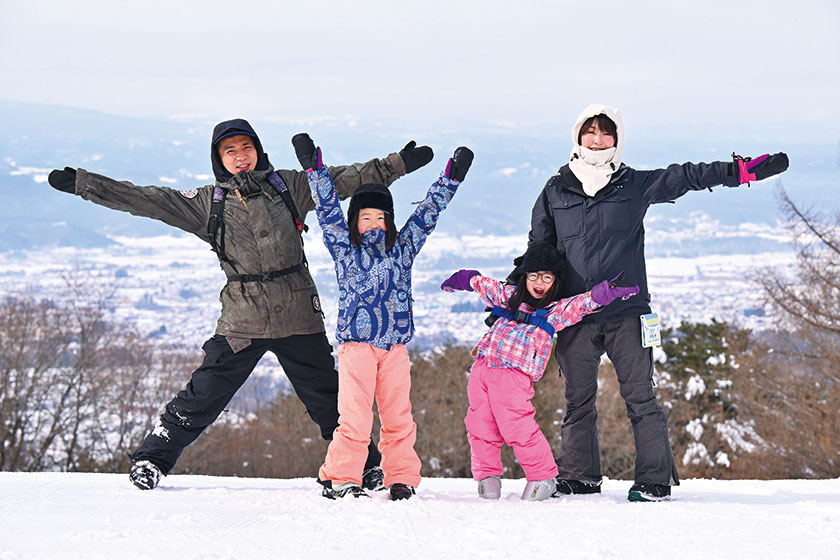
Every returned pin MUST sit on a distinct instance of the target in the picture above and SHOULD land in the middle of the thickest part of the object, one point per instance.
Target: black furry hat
(540, 256)
(371, 195)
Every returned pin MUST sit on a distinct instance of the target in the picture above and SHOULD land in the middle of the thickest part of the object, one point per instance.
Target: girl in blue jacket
(373, 266)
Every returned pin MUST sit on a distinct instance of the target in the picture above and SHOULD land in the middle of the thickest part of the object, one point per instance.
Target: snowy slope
(73, 516)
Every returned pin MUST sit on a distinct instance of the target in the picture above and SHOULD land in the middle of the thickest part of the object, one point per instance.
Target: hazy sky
(516, 62)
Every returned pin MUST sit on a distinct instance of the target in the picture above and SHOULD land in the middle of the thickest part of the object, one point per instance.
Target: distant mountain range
(510, 168)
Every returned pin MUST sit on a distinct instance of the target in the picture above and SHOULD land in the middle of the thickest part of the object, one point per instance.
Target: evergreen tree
(697, 374)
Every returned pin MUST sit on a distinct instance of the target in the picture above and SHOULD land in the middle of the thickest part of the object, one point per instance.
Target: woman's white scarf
(593, 168)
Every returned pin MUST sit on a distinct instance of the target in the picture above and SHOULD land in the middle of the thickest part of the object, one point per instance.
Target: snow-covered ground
(90, 516)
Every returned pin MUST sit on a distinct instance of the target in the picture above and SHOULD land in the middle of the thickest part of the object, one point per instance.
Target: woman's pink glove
(761, 167)
(607, 291)
(459, 281)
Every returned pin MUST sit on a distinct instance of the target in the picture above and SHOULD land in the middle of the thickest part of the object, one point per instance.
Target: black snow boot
(571, 486)
(342, 491)
(373, 479)
(400, 491)
(644, 492)
(145, 475)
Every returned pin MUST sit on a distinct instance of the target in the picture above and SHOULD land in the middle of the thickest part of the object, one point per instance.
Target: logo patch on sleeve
(190, 193)
(316, 304)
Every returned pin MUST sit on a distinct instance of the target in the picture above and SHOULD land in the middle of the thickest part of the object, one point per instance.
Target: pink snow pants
(501, 412)
(364, 373)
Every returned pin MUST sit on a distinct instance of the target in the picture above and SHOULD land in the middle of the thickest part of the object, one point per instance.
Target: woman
(592, 210)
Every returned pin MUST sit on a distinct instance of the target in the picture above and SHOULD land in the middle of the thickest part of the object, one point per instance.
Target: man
(253, 219)
(593, 210)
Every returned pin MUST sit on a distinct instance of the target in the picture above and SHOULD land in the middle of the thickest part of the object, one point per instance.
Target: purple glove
(607, 292)
(459, 281)
(756, 169)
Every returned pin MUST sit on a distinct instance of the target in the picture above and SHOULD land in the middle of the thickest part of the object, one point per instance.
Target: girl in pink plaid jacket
(511, 356)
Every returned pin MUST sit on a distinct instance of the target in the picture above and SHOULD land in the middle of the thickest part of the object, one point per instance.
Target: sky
(516, 64)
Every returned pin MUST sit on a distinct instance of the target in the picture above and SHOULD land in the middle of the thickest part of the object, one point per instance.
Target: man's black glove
(63, 180)
(308, 155)
(459, 164)
(414, 158)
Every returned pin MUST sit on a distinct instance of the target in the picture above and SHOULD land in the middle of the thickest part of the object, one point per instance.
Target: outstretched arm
(185, 210)
(491, 291)
(570, 311)
(424, 219)
(663, 185)
(324, 197)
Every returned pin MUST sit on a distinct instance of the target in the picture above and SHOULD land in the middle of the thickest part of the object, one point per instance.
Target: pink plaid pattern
(517, 345)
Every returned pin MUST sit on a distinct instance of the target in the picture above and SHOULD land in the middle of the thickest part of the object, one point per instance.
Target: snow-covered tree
(697, 376)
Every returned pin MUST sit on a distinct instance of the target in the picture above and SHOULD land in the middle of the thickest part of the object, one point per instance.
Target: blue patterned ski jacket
(374, 297)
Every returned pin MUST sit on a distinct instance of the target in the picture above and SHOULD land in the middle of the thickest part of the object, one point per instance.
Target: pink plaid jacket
(517, 345)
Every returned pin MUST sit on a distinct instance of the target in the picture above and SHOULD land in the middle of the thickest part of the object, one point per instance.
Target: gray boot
(490, 488)
(537, 491)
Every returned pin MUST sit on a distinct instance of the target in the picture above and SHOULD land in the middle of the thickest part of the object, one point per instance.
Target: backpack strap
(217, 222)
(537, 318)
(280, 186)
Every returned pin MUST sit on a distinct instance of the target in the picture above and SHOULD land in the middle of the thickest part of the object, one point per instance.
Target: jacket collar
(248, 183)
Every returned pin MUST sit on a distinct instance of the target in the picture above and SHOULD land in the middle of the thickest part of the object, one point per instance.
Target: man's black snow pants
(307, 361)
(578, 351)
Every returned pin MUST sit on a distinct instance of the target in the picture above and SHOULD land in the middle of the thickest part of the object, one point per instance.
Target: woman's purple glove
(761, 167)
(607, 291)
(459, 281)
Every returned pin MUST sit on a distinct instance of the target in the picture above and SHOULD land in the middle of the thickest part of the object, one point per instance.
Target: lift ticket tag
(650, 330)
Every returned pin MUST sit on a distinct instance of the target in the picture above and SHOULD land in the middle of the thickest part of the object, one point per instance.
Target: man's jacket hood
(227, 129)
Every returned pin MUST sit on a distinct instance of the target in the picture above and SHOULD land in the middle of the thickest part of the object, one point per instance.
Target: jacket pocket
(213, 349)
(617, 214)
(568, 217)
(346, 314)
(301, 281)
(402, 322)
(246, 311)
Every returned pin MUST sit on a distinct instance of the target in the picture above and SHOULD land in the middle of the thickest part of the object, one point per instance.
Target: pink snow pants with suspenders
(366, 372)
(501, 412)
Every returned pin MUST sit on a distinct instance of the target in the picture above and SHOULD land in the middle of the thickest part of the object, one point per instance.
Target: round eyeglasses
(546, 278)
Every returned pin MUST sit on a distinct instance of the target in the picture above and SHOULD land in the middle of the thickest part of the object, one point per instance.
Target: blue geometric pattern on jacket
(374, 284)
